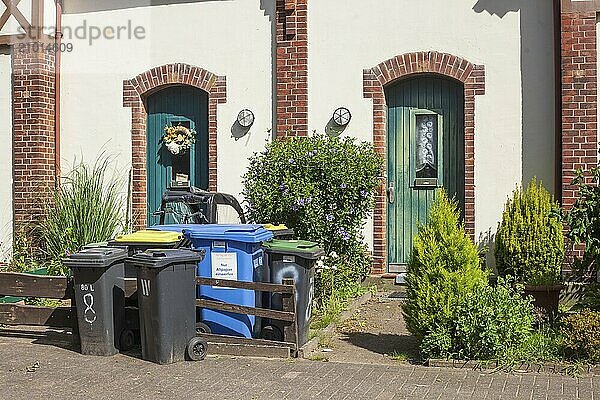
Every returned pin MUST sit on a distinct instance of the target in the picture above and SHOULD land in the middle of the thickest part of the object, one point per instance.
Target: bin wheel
(197, 349)
(201, 327)
(271, 332)
(126, 340)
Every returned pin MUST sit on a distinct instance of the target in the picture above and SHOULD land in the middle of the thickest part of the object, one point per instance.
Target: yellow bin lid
(148, 236)
(272, 227)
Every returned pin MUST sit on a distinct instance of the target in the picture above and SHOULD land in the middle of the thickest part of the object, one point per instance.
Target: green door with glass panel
(175, 105)
(425, 152)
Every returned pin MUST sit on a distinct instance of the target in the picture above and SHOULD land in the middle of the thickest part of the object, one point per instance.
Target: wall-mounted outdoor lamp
(342, 116)
(338, 122)
(245, 118)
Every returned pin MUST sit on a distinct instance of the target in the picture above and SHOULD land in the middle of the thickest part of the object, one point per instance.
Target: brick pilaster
(34, 170)
(579, 98)
(292, 68)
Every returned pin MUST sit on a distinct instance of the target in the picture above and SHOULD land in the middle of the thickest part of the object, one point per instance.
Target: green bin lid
(160, 258)
(301, 248)
(98, 257)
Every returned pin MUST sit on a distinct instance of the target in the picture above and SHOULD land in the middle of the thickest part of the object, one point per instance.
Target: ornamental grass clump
(529, 242)
(443, 270)
(323, 188)
(86, 208)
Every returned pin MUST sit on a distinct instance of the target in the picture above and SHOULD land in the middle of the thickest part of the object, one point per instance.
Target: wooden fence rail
(38, 286)
(61, 288)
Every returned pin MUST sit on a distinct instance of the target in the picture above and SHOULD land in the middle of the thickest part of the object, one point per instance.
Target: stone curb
(547, 368)
(313, 343)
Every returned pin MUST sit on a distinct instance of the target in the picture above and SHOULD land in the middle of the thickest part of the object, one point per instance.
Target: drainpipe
(57, 41)
(558, 100)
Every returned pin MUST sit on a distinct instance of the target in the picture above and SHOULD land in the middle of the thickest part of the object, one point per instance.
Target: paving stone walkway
(39, 366)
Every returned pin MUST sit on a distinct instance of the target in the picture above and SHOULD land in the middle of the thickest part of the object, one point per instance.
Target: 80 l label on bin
(89, 314)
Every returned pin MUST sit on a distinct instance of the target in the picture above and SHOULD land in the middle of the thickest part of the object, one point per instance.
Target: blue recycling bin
(233, 252)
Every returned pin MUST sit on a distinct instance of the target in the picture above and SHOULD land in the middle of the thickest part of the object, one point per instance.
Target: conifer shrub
(529, 241)
(443, 270)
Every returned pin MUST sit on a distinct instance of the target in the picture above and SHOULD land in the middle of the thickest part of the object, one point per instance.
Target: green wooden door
(425, 151)
(175, 105)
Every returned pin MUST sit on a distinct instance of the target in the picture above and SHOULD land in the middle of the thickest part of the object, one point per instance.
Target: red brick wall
(136, 90)
(579, 98)
(292, 68)
(579, 103)
(34, 170)
(374, 81)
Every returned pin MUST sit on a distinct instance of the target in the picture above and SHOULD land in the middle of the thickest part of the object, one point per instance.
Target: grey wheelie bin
(166, 280)
(99, 298)
(292, 259)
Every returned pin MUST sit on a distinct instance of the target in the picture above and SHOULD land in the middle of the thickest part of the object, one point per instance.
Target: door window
(426, 149)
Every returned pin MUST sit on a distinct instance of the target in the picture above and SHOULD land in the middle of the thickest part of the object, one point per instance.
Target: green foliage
(591, 297)
(342, 274)
(444, 269)
(321, 187)
(24, 254)
(584, 218)
(529, 242)
(87, 208)
(581, 333)
(545, 344)
(492, 321)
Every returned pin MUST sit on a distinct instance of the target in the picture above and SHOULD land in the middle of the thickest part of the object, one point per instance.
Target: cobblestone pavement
(36, 366)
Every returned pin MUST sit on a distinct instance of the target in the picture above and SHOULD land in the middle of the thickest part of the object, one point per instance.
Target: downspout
(57, 61)
(558, 100)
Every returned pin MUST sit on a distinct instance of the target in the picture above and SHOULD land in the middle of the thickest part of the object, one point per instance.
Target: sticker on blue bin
(224, 266)
(218, 244)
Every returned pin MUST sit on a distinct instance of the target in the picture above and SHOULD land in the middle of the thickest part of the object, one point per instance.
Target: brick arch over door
(374, 82)
(135, 92)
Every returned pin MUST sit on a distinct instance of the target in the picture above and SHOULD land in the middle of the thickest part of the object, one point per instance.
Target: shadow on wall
(538, 83)
(269, 7)
(86, 6)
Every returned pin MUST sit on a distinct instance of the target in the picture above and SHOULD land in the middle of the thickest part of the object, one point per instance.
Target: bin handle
(241, 230)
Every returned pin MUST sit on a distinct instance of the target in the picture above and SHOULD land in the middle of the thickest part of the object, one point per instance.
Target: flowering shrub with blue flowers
(323, 188)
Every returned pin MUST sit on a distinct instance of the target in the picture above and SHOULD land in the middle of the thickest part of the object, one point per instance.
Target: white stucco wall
(227, 38)
(5, 154)
(346, 39)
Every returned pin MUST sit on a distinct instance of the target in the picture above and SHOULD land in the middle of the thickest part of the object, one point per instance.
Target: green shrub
(87, 208)
(444, 268)
(321, 187)
(491, 322)
(581, 333)
(529, 242)
(584, 219)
